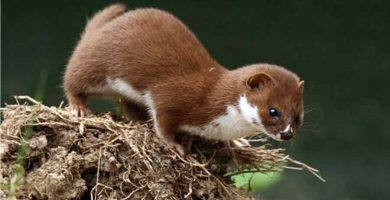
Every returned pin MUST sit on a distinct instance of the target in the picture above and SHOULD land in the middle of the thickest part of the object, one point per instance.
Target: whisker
(311, 130)
(307, 111)
(309, 127)
(308, 108)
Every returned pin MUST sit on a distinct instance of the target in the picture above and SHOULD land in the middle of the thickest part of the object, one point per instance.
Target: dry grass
(108, 157)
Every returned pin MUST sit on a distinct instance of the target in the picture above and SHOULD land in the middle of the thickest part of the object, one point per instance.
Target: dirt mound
(48, 154)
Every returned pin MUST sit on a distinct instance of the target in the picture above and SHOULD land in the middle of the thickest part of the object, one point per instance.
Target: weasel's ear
(259, 80)
(301, 86)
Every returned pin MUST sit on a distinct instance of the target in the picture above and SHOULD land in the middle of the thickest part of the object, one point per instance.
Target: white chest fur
(238, 121)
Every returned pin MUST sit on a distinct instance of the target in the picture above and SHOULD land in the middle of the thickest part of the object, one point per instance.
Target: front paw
(178, 148)
(241, 142)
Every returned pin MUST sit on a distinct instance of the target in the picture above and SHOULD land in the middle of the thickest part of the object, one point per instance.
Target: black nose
(286, 135)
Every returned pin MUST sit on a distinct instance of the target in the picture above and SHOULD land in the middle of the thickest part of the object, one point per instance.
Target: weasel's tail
(104, 16)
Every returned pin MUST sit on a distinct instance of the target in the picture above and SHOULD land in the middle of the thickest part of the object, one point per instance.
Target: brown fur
(153, 51)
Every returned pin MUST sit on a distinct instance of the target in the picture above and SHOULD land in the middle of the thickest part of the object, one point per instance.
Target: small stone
(112, 159)
(3, 149)
(38, 142)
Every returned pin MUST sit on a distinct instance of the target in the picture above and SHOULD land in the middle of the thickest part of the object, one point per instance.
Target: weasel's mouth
(276, 137)
(262, 130)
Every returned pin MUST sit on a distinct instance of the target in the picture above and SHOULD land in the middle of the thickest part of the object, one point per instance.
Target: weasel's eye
(273, 112)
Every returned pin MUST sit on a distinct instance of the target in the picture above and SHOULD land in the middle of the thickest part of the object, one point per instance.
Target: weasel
(160, 70)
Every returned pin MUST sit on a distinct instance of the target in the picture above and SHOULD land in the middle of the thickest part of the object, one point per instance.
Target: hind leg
(78, 105)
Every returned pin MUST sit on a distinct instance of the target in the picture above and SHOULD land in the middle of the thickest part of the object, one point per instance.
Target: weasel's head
(273, 101)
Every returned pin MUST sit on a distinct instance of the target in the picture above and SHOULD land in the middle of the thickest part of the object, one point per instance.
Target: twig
(27, 98)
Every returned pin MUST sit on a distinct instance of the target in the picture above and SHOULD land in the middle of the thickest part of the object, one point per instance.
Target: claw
(241, 142)
(178, 148)
(79, 111)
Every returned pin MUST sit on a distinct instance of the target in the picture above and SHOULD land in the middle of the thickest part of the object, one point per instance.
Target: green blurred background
(340, 48)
